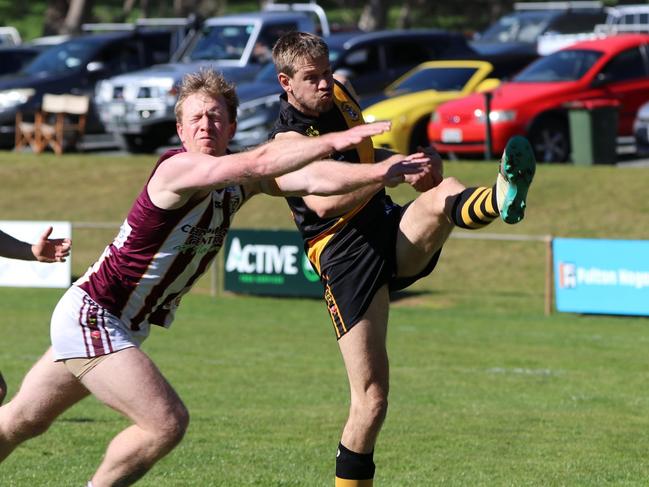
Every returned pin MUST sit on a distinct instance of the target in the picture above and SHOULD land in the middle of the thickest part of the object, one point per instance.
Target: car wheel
(419, 135)
(550, 140)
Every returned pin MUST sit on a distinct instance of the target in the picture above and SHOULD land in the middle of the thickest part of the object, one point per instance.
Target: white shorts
(80, 328)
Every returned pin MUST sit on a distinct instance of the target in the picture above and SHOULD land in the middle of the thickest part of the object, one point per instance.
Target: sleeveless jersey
(346, 113)
(159, 254)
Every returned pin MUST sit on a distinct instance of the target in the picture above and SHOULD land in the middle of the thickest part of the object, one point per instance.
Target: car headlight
(369, 118)
(15, 97)
(495, 116)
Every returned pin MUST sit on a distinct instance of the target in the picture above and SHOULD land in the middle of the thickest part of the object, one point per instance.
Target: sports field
(486, 390)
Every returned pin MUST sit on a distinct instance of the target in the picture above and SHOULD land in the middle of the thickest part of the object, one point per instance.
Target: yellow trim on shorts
(354, 483)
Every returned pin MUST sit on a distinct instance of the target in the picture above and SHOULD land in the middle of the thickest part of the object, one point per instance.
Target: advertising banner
(22, 273)
(601, 276)
(268, 262)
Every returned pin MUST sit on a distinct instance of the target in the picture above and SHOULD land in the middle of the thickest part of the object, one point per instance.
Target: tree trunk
(54, 17)
(75, 16)
(374, 16)
(404, 21)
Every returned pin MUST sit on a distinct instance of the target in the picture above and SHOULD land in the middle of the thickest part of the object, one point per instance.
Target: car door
(626, 78)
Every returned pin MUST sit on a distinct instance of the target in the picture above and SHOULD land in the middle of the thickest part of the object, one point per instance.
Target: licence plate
(452, 135)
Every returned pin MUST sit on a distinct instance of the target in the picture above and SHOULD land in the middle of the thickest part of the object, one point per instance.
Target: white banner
(22, 273)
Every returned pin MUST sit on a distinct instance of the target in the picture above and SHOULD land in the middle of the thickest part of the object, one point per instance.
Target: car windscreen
(566, 65)
(226, 42)
(521, 27)
(439, 79)
(68, 56)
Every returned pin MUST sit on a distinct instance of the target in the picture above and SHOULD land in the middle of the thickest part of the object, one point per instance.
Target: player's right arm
(338, 204)
(178, 178)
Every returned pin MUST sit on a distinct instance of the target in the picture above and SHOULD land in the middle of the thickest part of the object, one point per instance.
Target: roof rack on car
(568, 5)
(139, 23)
(302, 7)
(106, 27)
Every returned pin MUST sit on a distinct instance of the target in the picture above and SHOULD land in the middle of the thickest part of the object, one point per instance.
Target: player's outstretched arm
(44, 250)
(329, 177)
(186, 173)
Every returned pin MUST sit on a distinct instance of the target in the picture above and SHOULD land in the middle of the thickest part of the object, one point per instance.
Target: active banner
(601, 276)
(269, 262)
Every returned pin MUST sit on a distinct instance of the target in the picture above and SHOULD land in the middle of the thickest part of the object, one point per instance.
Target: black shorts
(357, 262)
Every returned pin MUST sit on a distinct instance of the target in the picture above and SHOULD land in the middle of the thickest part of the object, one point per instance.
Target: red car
(533, 103)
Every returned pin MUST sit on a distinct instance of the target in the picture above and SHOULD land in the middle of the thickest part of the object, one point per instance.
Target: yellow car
(410, 100)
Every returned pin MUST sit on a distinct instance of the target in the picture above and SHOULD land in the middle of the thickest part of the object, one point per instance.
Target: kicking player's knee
(437, 198)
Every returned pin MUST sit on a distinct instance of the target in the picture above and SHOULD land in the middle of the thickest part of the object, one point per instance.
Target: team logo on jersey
(312, 131)
(351, 111)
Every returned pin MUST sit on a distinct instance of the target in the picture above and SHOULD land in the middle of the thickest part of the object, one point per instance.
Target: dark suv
(369, 60)
(75, 66)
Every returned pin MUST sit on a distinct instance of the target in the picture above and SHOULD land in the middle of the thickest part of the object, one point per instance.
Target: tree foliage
(46, 17)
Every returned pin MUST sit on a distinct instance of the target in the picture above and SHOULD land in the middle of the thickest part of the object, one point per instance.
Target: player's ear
(179, 130)
(284, 81)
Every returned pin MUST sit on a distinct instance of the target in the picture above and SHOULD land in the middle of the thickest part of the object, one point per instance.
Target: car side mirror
(600, 80)
(95, 66)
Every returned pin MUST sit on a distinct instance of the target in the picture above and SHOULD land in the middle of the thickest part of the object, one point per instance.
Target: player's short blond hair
(294, 47)
(211, 83)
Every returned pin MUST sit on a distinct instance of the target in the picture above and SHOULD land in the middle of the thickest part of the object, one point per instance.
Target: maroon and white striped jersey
(159, 254)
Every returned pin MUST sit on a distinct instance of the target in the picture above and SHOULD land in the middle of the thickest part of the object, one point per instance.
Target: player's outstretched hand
(397, 169)
(51, 250)
(431, 175)
(355, 135)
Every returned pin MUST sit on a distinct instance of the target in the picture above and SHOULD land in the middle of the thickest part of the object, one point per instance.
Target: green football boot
(517, 168)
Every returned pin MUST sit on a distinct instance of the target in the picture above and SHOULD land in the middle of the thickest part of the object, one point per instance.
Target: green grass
(486, 390)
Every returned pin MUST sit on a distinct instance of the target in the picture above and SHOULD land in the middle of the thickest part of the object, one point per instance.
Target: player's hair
(295, 46)
(211, 83)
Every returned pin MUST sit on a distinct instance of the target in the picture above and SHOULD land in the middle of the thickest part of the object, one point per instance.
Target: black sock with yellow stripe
(354, 469)
(475, 208)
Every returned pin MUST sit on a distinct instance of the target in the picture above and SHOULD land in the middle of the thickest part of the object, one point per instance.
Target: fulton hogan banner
(602, 276)
(270, 262)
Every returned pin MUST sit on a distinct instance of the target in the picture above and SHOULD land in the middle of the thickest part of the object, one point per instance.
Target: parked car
(514, 36)
(619, 19)
(139, 106)
(75, 66)
(534, 102)
(373, 60)
(370, 61)
(409, 101)
(641, 130)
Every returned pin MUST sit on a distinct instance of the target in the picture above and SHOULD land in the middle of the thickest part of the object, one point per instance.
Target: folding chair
(26, 133)
(61, 121)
